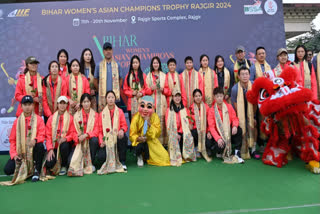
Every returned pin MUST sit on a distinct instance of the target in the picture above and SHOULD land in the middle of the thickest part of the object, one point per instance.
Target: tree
(311, 40)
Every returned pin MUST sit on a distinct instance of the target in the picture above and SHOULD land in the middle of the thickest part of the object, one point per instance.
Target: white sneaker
(124, 167)
(93, 169)
(240, 160)
(63, 171)
(140, 161)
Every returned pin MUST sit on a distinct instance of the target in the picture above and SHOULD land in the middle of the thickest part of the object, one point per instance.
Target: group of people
(174, 118)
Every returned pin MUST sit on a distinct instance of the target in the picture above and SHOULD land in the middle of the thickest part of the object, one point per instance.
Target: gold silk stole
(248, 137)
(306, 73)
(53, 103)
(173, 83)
(91, 83)
(226, 84)
(318, 74)
(103, 82)
(208, 78)
(188, 152)
(24, 169)
(55, 139)
(236, 67)
(277, 70)
(161, 103)
(30, 89)
(134, 100)
(110, 133)
(201, 122)
(259, 72)
(224, 129)
(190, 84)
(81, 162)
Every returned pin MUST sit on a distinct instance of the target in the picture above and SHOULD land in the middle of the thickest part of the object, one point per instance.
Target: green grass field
(198, 187)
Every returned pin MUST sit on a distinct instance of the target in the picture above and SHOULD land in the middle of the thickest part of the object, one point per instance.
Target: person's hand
(83, 137)
(255, 122)
(142, 139)
(50, 155)
(36, 99)
(179, 137)
(234, 130)
(72, 103)
(139, 95)
(134, 93)
(190, 126)
(77, 107)
(103, 144)
(209, 136)
(62, 140)
(161, 89)
(93, 92)
(31, 143)
(226, 97)
(17, 158)
(220, 143)
(153, 87)
(121, 133)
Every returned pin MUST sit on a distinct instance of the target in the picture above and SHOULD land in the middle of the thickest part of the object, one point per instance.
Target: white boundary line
(263, 209)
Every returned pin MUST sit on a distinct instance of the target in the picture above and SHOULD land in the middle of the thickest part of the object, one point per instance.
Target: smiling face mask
(146, 106)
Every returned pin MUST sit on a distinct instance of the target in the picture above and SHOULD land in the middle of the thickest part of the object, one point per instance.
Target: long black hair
(83, 97)
(140, 73)
(174, 107)
(82, 62)
(44, 81)
(66, 53)
(296, 60)
(203, 56)
(72, 61)
(215, 62)
(151, 64)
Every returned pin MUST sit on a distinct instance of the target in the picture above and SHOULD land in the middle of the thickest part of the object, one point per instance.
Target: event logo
(254, 9)
(271, 7)
(19, 13)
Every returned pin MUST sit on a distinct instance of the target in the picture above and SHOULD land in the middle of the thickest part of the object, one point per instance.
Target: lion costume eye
(263, 95)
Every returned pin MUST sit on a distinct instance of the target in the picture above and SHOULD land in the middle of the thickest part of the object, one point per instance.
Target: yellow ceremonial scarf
(161, 103)
(173, 83)
(259, 72)
(236, 67)
(208, 77)
(305, 72)
(201, 122)
(223, 127)
(134, 101)
(75, 94)
(188, 152)
(110, 133)
(248, 135)
(30, 90)
(53, 103)
(81, 162)
(24, 169)
(103, 82)
(190, 84)
(55, 139)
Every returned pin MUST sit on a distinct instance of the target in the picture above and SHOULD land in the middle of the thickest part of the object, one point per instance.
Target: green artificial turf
(198, 187)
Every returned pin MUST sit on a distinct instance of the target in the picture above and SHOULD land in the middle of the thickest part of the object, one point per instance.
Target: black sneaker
(255, 155)
(35, 176)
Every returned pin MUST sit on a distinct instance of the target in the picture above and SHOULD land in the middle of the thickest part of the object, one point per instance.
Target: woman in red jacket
(29, 83)
(87, 129)
(53, 86)
(199, 113)
(112, 138)
(77, 84)
(135, 86)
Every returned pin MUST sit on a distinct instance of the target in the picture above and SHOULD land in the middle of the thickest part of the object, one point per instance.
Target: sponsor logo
(254, 9)
(271, 7)
(19, 13)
